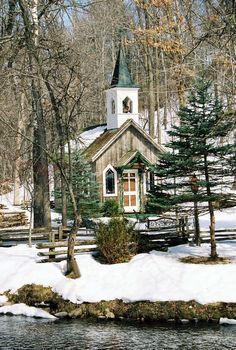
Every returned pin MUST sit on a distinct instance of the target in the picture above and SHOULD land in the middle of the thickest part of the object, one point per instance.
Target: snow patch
(157, 276)
(229, 321)
(3, 300)
(23, 309)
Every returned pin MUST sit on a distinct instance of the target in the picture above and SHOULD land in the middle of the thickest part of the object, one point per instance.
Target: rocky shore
(142, 311)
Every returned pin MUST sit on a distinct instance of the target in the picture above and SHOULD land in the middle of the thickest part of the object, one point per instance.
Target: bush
(116, 240)
(110, 208)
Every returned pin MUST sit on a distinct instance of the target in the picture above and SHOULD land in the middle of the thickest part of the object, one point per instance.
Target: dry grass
(207, 260)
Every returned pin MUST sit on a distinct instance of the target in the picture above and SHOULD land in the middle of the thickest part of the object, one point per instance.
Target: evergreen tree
(198, 163)
(85, 186)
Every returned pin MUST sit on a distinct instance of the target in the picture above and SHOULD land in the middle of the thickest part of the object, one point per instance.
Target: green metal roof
(121, 76)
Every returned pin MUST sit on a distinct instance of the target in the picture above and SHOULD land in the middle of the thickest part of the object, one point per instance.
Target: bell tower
(122, 97)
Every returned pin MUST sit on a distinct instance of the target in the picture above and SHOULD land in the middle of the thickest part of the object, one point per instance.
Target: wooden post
(52, 250)
(52, 237)
(187, 226)
(60, 233)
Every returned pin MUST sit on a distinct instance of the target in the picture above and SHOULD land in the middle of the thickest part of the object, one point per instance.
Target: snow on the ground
(7, 200)
(229, 321)
(3, 299)
(157, 276)
(225, 218)
(23, 309)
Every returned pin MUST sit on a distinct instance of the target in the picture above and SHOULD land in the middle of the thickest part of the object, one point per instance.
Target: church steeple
(122, 97)
(121, 76)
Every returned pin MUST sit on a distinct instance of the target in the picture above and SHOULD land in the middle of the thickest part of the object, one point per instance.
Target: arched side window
(127, 105)
(113, 107)
(109, 181)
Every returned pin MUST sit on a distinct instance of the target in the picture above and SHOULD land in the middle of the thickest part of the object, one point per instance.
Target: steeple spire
(121, 76)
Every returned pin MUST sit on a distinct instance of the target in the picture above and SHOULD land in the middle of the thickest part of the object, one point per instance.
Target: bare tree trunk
(63, 189)
(21, 121)
(165, 121)
(72, 265)
(151, 96)
(158, 127)
(197, 238)
(62, 138)
(151, 100)
(211, 212)
(42, 213)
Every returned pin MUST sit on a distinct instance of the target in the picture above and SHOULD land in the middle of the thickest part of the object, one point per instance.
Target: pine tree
(85, 187)
(197, 163)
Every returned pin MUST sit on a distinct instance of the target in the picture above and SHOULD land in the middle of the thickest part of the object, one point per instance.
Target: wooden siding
(130, 140)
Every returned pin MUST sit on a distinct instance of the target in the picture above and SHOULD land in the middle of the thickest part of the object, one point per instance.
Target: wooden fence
(220, 235)
(162, 233)
(155, 235)
(55, 251)
(10, 236)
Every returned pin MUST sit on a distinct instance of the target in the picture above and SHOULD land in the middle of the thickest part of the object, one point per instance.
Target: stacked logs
(12, 219)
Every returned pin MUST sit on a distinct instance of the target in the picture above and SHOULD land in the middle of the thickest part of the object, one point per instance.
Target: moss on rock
(174, 311)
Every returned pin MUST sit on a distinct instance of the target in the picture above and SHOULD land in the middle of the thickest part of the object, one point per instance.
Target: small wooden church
(121, 156)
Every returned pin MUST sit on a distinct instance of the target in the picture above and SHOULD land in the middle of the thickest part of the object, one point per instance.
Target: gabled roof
(130, 157)
(103, 142)
(121, 76)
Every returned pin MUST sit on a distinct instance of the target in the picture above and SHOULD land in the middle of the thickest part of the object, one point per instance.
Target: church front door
(130, 190)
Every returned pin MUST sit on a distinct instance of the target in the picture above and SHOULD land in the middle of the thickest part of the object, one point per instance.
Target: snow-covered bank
(157, 276)
(29, 311)
(227, 321)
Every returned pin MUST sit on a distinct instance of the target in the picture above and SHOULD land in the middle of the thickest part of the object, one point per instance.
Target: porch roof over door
(130, 158)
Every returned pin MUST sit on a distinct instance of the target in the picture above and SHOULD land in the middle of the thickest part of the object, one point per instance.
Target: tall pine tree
(85, 186)
(197, 166)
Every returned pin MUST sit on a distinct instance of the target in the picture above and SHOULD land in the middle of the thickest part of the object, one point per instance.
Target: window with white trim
(109, 181)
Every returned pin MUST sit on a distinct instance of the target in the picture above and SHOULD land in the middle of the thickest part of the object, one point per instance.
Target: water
(28, 333)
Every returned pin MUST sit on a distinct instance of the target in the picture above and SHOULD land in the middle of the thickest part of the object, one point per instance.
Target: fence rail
(12, 236)
(53, 243)
(53, 251)
(220, 235)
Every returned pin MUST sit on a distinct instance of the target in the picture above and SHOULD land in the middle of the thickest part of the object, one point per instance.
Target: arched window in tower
(127, 105)
(113, 107)
(110, 181)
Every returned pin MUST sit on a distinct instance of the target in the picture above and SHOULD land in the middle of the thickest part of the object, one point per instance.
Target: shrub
(116, 240)
(110, 208)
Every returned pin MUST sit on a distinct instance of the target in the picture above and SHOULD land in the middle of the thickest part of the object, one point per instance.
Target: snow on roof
(87, 137)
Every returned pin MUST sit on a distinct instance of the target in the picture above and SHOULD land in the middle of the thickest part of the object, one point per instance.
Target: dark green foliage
(158, 200)
(116, 240)
(85, 185)
(110, 208)
(195, 148)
